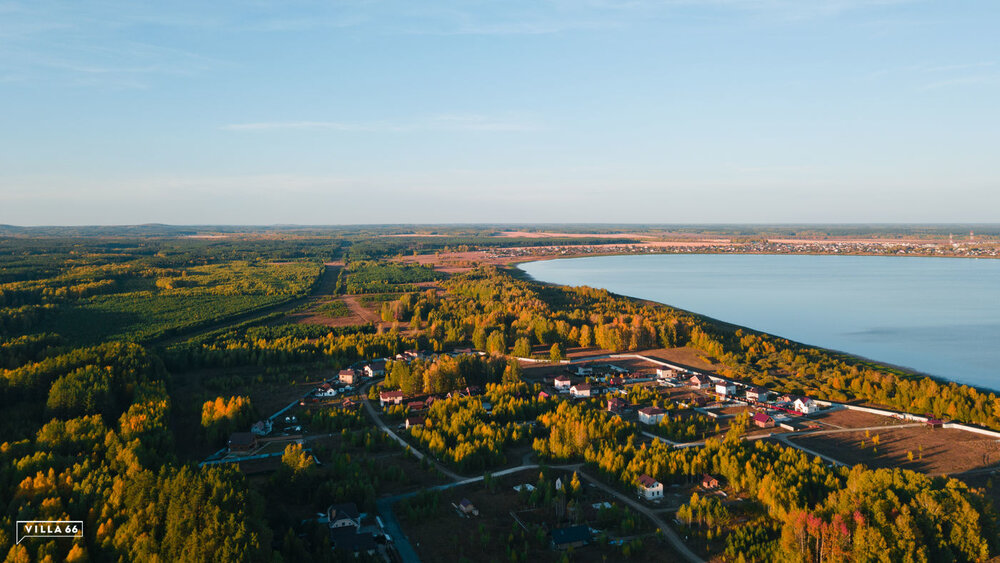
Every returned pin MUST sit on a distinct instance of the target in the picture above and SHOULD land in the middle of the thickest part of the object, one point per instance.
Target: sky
(369, 111)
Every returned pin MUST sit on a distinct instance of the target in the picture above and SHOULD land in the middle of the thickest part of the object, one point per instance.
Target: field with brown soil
(935, 451)
(844, 418)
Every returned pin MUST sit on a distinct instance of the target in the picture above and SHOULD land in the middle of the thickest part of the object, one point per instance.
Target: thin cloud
(443, 122)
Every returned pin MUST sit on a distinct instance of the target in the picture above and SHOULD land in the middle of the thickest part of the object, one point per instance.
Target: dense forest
(103, 338)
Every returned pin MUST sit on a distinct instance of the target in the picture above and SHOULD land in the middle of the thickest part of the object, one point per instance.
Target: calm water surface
(935, 315)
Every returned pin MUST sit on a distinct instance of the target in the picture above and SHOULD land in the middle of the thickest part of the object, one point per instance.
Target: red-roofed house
(761, 420)
(563, 382)
(617, 405)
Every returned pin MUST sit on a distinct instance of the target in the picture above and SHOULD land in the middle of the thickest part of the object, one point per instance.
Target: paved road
(373, 414)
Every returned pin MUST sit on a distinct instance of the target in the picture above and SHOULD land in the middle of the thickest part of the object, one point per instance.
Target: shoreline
(849, 356)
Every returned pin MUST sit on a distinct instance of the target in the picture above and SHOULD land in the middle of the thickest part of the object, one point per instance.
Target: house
(390, 398)
(348, 404)
(466, 507)
(651, 415)
(700, 381)
(580, 390)
(542, 395)
(344, 515)
(664, 373)
(242, 442)
(582, 371)
(935, 423)
(347, 376)
(325, 390)
(616, 381)
(563, 382)
(709, 482)
(725, 388)
(261, 427)
(574, 536)
(761, 420)
(649, 488)
(758, 394)
(416, 405)
(618, 405)
(412, 421)
(805, 405)
(697, 400)
(375, 369)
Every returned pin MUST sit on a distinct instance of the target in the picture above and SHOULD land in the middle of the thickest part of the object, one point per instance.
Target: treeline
(367, 276)
(285, 344)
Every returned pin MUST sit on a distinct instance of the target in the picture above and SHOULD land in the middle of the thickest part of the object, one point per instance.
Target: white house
(651, 415)
(583, 371)
(725, 388)
(390, 398)
(563, 382)
(649, 488)
(375, 369)
(805, 405)
(580, 390)
(326, 390)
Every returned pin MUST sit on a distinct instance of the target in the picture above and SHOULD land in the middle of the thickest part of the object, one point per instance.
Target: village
(669, 402)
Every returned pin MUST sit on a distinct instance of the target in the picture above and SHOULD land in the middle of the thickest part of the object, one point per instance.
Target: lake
(939, 316)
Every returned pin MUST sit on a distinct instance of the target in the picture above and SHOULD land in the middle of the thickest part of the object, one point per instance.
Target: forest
(101, 335)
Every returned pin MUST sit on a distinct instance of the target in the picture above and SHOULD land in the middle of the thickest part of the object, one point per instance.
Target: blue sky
(672, 111)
